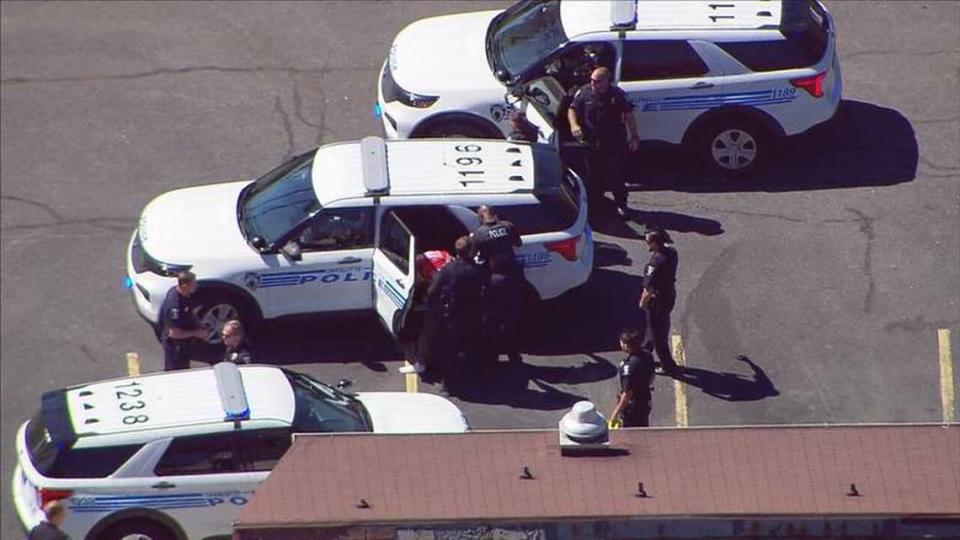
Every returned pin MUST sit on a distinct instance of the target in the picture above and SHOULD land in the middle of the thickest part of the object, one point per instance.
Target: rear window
(660, 59)
(804, 28)
(54, 462)
(556, 210)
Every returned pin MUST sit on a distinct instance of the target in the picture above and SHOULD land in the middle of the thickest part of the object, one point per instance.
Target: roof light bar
(233, 397)
(373, 156)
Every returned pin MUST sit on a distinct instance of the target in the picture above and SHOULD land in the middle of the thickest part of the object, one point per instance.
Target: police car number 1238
(130, 404)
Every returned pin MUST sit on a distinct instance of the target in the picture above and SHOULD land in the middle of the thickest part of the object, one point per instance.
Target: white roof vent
(373, 157)
(584, 427)
(233, 397)
(623, 14)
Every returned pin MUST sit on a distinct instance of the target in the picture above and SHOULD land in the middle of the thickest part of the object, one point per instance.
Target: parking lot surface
(836, 273)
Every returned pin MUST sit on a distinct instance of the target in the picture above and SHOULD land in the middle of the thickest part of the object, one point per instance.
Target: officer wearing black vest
(455, 302)
(597, 116)
(495, 241)
(659, 295)
(181, 330)
(635, 374)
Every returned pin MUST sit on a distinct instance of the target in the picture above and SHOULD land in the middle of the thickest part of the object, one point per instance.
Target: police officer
(659, 295)
(597, 116)
(180, 327)
(456, 300)
(495, 241)
(235, 345)
(635, 374)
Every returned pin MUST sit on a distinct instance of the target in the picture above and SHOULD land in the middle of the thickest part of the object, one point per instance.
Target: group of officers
(474, 298)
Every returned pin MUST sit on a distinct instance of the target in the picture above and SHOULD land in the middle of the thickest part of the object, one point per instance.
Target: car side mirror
(343, 383)
(501, 75)
(258, 243)
(291, 250)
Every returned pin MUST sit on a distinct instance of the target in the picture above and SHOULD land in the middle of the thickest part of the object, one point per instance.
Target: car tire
(137, 529)
(457, 129)
(734, 146)
(220, 306)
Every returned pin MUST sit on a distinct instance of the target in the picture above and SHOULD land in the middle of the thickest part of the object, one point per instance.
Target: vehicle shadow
(731, 386)
(530, 386)
(862, 145)
(321, 339)
(588, 319)
(605, 220)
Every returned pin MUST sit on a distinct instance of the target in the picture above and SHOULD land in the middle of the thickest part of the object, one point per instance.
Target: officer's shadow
(731, 386)
(529, 386)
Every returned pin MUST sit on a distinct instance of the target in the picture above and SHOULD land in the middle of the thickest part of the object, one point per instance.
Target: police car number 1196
(469, 161)
(127, 398)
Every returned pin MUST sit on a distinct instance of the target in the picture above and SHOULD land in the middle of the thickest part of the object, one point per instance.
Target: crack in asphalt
(881, 52)
(918, 324)
(9, 81)
(937, 167)
(866, 227)
(110, 223)
(298, 109)
(753, 214)
(287, 125)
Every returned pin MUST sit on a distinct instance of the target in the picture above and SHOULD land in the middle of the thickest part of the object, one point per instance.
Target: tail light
(47, 495)
(813, 85)
(566, 248)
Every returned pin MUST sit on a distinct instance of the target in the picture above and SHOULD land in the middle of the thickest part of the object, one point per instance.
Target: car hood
(442, 54)
(401, 412)
(193, 224)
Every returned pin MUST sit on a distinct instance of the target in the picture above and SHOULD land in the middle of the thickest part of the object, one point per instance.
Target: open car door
(394, 274)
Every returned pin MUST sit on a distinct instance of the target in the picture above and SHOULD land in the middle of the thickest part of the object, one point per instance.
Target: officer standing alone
(181, 330)
(598, 114)
(658, 296)
(635, 374)
(495, 240)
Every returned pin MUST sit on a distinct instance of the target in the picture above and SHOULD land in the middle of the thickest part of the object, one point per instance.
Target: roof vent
(233, 397)
(623, 14)
(373, 157)
(583, 427)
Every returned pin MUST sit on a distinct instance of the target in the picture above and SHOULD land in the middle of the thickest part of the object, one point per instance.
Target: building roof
(427, 167)
(758, 471)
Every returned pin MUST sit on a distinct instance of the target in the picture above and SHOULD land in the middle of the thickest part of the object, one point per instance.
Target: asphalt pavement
(833, 274)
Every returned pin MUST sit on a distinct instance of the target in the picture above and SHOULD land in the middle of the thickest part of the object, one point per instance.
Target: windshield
(525, 34)
(279, 200)
(321, 408)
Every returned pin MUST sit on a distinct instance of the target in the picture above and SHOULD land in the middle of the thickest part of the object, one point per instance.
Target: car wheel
(457, 129)
(218, 307)
(735, 146)
(137, 529)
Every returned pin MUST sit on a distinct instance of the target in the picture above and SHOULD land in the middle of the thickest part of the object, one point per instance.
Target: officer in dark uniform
(495, 241)
(658, 296)
(181, 330)
(597, 116)
(636, 383)
(236, 349)
(456, 300)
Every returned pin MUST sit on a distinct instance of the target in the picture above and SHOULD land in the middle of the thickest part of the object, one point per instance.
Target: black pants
(606, 163)
(656, 336)
(637, 412)
(505, 305)
(177, 353)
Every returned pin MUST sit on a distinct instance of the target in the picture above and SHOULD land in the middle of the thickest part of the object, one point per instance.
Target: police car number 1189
(128, 402)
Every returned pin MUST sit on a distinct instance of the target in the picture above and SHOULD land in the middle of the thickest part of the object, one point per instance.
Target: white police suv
(728, 78)
(338, 228)
(176, 455)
